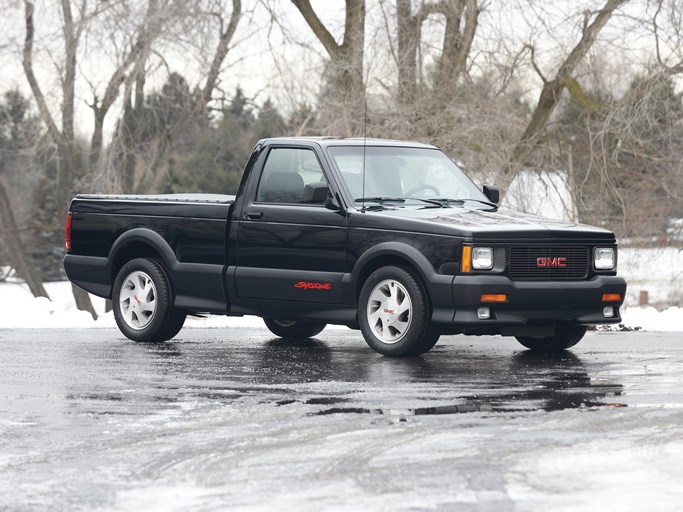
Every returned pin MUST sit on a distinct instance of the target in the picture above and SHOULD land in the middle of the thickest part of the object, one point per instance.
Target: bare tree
(9, 231)
(144, 173)
(130, 60)
(552, 88)
(62, 136)
(346, 60)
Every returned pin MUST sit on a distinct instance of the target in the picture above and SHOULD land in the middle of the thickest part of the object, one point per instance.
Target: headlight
(482, 258)
(603, 258)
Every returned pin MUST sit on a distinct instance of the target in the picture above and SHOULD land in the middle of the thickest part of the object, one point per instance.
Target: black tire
(175, 324)
(294, 329)
(420, 335)
(164, 322)
(566, 336)
(178, 317)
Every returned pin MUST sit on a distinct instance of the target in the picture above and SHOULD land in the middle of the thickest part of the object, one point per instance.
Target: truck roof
(327, 141)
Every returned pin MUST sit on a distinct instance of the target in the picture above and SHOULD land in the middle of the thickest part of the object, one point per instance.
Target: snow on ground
(657, 270)
(21, 310)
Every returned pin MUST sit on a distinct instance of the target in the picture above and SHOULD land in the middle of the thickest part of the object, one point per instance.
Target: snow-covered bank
(657, 270)
(19, 309)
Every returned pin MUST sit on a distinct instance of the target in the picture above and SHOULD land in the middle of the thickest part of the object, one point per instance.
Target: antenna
(365, 132)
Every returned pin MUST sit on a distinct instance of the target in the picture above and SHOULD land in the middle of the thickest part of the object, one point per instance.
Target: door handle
(253, 215)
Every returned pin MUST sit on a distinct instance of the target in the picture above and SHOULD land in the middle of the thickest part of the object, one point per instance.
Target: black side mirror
(492, 192)
(316, 193)
(332, 204)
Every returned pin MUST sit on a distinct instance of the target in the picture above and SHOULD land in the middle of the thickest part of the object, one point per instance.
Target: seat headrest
(284, 187)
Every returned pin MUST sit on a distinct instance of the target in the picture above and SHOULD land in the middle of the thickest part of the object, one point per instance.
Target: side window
(291, 175)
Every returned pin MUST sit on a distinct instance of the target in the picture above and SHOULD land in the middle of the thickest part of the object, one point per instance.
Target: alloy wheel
(389, 311)
(137, 300)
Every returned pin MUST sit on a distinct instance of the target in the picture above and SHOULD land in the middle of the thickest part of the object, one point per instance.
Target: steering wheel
(422, 187)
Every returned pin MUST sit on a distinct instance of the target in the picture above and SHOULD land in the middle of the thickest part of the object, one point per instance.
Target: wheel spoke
(147, 291)
(125, 295)
(400, 326)
(129, 316)
(403, 306)
(384, 332)
(394, 291)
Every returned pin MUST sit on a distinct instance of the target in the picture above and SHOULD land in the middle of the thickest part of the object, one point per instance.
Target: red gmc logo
(551, 262)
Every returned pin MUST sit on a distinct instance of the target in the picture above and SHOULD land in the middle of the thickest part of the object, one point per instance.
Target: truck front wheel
(294, 329)
(394, 313)
(143, 302)
(565, 336)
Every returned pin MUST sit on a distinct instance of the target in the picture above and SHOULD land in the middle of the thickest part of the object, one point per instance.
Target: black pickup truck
(388, 237)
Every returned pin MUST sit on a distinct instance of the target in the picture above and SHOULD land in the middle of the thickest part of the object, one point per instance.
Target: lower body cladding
(498, 305)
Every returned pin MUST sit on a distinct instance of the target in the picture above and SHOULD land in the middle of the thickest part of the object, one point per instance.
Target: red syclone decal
(551, 262)
(310, 285)
(390, 311)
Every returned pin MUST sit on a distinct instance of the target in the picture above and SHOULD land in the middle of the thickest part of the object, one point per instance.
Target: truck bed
(178, 198)
(197, 206)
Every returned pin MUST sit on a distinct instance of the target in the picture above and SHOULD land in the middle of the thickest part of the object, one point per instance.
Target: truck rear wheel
(394, 313)
(565, 337)
(294, 329)
(143, 302)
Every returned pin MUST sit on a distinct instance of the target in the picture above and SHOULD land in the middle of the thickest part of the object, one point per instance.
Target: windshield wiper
(379, 199)
(450, 200)
(383, 199)
(436, 202)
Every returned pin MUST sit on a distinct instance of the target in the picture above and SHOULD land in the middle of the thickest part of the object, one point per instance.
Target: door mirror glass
(492, 192)
(316, 193)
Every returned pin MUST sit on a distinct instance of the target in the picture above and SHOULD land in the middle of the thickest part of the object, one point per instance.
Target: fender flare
(398, 249)
(439, 287)
(146, 236)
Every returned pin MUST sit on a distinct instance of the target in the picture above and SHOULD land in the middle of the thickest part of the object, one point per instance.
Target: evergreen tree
(269, 123)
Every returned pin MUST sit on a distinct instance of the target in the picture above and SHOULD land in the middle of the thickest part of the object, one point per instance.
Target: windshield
(402, 173)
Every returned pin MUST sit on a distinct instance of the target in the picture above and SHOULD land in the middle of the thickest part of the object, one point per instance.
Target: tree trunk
(456, 45)
(83, 301)
(552, 91)
(10, 233)
(64, 139)
(346, 62)
(408, 40)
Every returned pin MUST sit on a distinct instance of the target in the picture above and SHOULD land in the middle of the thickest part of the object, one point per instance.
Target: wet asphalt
(236, 419)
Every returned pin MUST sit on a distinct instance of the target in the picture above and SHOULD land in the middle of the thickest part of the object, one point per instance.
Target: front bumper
(535, 302)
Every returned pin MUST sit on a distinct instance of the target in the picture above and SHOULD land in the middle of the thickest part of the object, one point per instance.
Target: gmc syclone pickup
(388, 237)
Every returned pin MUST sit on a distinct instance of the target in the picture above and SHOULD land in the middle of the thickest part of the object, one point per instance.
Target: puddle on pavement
(575, 392)
(457, 409)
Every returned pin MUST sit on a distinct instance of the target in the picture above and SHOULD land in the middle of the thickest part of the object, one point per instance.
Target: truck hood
(482, 225)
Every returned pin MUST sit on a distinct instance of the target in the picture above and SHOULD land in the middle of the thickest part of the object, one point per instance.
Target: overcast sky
(266, 64)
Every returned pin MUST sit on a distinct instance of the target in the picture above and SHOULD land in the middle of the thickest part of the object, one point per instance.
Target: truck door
(289, 245)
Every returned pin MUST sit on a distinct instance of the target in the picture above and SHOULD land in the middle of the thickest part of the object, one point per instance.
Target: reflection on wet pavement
(220, 400)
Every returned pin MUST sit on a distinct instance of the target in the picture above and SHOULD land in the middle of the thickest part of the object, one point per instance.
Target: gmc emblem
(551, 262)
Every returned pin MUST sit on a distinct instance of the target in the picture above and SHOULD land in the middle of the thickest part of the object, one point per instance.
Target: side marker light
(611, 297)
(491, 297)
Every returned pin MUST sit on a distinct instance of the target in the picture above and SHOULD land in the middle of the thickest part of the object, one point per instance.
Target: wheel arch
(392, 253)
(140, 243)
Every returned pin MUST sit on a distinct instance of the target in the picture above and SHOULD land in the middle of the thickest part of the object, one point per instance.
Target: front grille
(523, 264)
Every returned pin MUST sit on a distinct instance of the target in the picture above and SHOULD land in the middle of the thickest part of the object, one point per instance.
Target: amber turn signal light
(490, 297)
(611, 297)
(466, 263)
